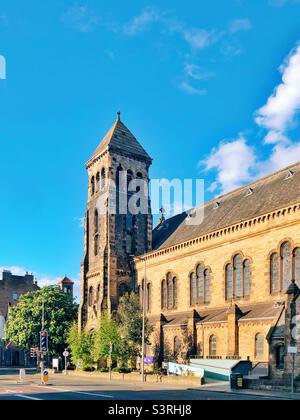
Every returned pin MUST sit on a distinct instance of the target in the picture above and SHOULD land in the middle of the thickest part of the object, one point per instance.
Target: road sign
(292, 350)
(45, 376)
(66, 353)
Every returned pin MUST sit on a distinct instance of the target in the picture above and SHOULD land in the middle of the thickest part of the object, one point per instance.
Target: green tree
(130, 321)
(81, 345)
(107, 338)
(25, 319)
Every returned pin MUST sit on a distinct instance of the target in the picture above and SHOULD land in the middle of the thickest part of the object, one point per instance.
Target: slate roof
(66, 280)
(265, 195)
(120, 139)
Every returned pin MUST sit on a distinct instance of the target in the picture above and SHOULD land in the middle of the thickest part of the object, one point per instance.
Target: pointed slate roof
(120, 139)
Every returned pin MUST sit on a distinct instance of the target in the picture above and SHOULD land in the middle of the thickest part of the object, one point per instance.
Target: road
(83, 388)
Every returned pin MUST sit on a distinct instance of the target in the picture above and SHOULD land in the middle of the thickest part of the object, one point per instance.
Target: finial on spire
(119, 116)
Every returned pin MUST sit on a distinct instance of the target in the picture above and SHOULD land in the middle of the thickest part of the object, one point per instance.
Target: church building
(225, 288)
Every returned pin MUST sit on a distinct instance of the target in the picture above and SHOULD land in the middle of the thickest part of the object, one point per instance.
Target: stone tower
(113, 232)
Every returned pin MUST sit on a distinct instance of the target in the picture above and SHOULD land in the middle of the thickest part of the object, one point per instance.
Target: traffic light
(44, 341)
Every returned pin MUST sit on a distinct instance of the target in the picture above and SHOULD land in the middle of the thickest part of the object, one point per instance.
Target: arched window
(96, 245)
(91, 296)
(286, 267)
(176, 347)
(274, 263)
(175, 292)
(200, 284)
(229, 281)
(296, 265)
(193, 289)
(164, 294)
(212, 346)
(98, 293)
(280, 355)
(98, 182)
(247, 278)
(148, 297)
(96, 221)
(170, 291)
(207, 286)
(238, 276)
(103, 179)
(93, 185)
(259, 345)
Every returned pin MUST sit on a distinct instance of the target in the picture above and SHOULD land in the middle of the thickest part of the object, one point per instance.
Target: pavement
(70, 388)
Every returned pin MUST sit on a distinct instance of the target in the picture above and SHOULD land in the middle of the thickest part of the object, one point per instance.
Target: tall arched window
(103, 179)
(296, 265)
(212, 346)
(274, 263)
(96, 245)
(238, 276)
(286, 267)
(229, 281)
(93, 185)
(200, 283)
(96, 221)
(98, 182)
(176, 347)
(175, 292)
(170, 291)
(148, 297)
(164, 294)
(259, 345)
(91, 296)
(123, 289)
(193, 288)
(247, 278)
(98, 293)
(207, 286)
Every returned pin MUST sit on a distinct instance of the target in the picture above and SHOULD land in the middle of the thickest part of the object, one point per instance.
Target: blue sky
(210, 88)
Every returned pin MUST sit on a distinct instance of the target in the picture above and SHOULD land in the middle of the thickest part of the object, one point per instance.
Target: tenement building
(225, 288)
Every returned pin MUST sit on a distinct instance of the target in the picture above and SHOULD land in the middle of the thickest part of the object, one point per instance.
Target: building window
(98, 293)
(15, 296)
(229, 282)
(123, 289)
(238, 278)
(91, 296)
(274, 273)
(103, 179)
(200, 286)
(176, 347)
(175, 292)
(212, 346)
(296, 265)
(164, 294)
(286, 265)
(93, 185)
(148, 297)
(193, 289)
(247, 278)
(170, 291)
(98, 182)
(259, 346)
(96, 245)
(96, 221)
(280, 355)
(207, 286)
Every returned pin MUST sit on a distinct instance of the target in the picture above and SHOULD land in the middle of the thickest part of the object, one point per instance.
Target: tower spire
(119, 116)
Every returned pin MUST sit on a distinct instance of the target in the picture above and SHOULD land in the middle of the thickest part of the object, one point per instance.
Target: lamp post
(144, 317)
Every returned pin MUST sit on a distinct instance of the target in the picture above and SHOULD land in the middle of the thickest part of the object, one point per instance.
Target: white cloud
(196, 72)
(233, 162)
(80, 18)
(80, 221)
(187, 87)
(240, 25)
(141, 22)
(278, 114)
(16, 271)
(199, 38)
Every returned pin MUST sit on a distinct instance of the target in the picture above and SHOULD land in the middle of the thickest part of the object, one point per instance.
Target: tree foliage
(81, 347)
(25, 319)
(107, 338)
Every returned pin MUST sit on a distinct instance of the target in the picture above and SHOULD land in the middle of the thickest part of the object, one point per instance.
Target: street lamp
(144, 317)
